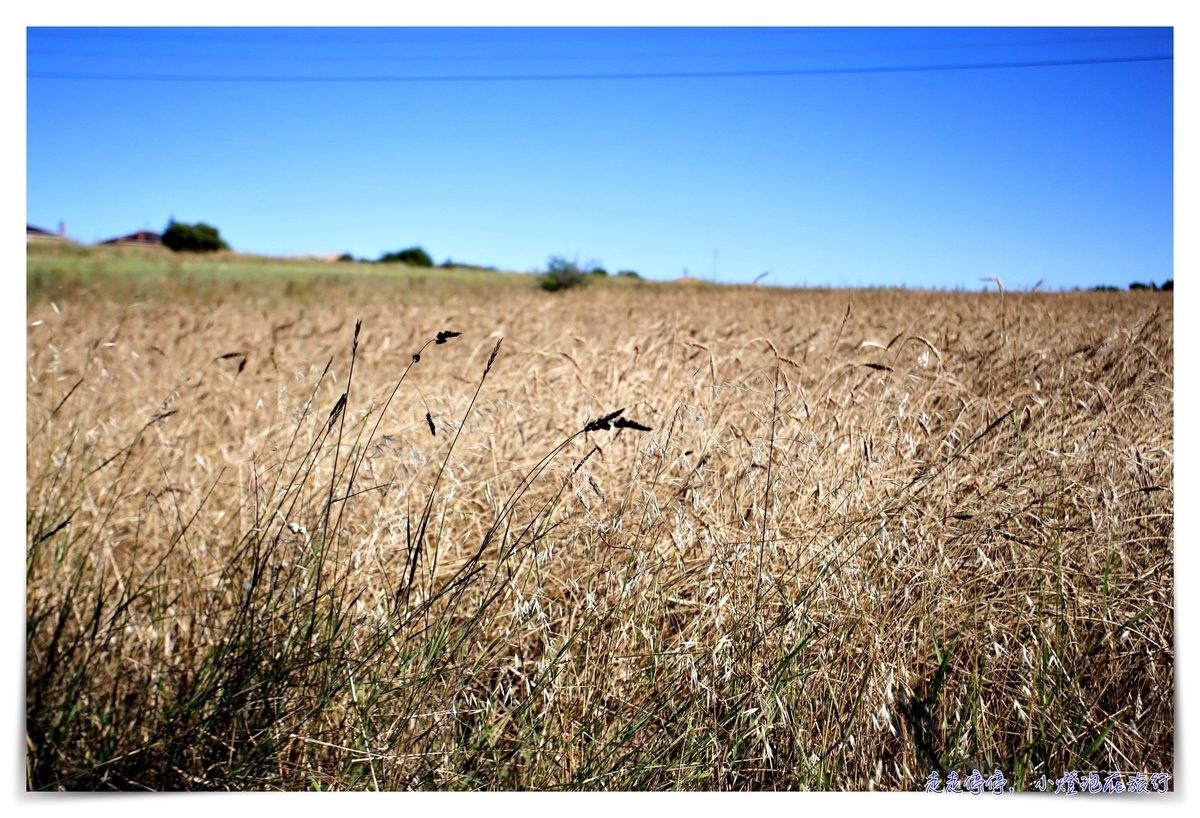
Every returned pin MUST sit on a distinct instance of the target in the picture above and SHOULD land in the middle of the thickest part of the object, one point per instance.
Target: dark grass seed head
(337, 410)
(602, 423)
(626, 423)
(492, 357)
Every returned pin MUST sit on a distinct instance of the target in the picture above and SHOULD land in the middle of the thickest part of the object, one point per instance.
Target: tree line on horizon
(560, 273)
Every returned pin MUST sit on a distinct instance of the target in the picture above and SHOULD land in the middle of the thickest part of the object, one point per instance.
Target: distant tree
(628, 274)
(598, 271)
(199, 237)
(345, 257)
(561, 275)
(413, 257)
(1105, 288)
(1137, 285)
(1169, 284)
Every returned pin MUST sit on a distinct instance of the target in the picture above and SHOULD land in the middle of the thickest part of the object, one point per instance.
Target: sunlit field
(630, 536)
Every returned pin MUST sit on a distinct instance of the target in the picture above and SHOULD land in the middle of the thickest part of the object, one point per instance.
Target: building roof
(37, 232)
(138, 237)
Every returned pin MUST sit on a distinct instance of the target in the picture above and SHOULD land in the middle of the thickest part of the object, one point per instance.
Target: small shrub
(196, 238)
(1168, 285)
(1137, 285)
(1105, 288)
(413, 257)
(598, 271)
(561, 275)
(464, 265)
(345, 257)
(628, 274)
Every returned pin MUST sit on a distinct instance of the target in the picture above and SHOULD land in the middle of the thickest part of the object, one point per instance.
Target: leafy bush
(598, 271)
(413, 257)
(628, 274)
(561, 275)
(197, 238)
(448, 263)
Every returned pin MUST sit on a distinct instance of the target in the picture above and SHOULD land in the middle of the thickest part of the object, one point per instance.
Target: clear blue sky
(932, 178)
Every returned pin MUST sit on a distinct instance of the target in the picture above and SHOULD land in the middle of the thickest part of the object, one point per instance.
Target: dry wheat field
(619, 538)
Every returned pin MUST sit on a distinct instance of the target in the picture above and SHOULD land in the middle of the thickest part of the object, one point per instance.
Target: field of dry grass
(868, 535)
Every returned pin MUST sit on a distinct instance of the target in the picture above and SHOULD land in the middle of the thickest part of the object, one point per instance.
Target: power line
(573, 56)
(649, 75)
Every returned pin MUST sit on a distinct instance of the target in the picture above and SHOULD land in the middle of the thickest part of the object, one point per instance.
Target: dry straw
(945, 543)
